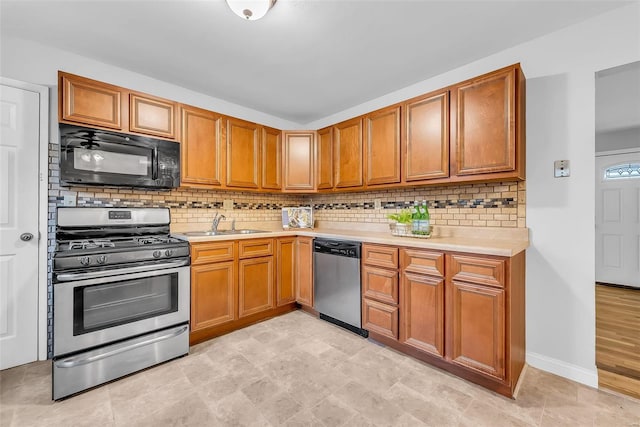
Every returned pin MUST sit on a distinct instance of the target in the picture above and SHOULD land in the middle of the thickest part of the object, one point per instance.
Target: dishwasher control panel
(342, 248)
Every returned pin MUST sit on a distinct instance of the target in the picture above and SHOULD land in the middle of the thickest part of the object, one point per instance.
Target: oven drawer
(89, 369)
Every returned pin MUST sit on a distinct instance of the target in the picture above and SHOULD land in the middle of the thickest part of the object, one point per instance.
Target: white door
(618, 219)
(19, 141)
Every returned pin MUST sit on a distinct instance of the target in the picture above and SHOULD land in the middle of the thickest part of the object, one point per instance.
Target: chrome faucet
(216, 220)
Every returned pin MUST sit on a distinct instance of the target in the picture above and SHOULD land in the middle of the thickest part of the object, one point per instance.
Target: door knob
(25, 237)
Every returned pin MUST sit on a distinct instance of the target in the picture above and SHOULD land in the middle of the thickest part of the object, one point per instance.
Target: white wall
(35, 63)
(560, 69)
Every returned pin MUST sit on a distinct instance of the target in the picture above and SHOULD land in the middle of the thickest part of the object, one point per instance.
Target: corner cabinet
(202, 154)
(461, 312)
(299, 159)
(488, 127)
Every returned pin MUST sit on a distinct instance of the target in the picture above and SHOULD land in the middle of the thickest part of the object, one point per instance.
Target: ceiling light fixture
(251, 10)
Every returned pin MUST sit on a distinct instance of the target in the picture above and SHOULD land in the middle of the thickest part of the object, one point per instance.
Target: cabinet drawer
(380, 284)
(483, 271)
(423, 262)
(381, 256)
(380, 318)
(202, 253)
(255, 247)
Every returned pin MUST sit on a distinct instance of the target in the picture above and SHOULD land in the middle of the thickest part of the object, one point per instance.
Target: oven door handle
(72, 362)
(67, 277)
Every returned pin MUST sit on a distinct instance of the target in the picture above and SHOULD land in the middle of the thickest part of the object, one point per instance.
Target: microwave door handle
(154, 163)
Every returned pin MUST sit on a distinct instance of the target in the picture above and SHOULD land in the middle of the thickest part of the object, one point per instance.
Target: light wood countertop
(485, 241)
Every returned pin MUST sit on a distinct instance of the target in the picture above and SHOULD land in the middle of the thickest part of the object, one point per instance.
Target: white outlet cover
(377, 203)
(227, 204)
(561, 169)
(69, 200)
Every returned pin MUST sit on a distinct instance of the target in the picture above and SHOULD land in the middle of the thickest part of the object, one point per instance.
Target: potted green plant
(402, 222)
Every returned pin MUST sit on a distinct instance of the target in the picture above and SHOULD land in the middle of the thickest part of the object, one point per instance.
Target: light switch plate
(227, 204)
(377, 203)
(561, 169)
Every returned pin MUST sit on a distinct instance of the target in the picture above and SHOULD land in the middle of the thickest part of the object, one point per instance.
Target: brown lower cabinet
(461, 312)
(236, 283)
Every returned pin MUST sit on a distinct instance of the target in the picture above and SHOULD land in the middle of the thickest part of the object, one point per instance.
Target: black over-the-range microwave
(111, 159)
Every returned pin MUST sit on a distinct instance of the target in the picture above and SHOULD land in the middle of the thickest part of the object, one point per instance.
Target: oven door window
(103, 306)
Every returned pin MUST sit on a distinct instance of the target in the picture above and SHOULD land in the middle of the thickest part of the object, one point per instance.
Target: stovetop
(115, 244)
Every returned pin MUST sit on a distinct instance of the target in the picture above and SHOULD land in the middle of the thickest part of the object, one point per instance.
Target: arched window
(621, 171)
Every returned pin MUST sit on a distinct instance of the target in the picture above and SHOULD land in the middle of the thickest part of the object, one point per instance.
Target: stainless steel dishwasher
(336, 283)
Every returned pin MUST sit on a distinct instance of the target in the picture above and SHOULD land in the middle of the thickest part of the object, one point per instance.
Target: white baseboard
(563, 369)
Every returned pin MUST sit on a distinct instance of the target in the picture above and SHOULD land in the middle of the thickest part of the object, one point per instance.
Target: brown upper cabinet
(425, 153)
(92, 103)
(324, 159)
(152, 116)
(202, 155)
(243, 154)
(299, 161)
(348, 153)
(470, 131)
(89, 102)
(488, 126)
(382, 146)
(271, 157)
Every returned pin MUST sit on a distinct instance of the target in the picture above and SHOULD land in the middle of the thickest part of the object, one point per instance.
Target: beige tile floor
(296, 370)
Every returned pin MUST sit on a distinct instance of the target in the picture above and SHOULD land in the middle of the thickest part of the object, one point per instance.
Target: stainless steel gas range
(121, 295)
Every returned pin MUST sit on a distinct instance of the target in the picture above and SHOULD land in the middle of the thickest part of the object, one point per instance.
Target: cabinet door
(426, 138)
(212, 294)
(285, 270)
(382, 146)
(255, 285)
(271, 158)
(201, 148)
(152, 116)
(304, 271)
(243, 154)
(324, 159)
(347, 153)
(380, 318)
(298, 161)
(89, 102)
(476, 324)
(422, 313)
(484, 134)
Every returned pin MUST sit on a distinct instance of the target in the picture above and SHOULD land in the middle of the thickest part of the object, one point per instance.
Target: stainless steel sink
(223, 232)
(204, 233)
(245, 231)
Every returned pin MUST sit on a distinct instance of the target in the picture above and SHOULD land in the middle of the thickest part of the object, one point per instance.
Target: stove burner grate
(91, 244)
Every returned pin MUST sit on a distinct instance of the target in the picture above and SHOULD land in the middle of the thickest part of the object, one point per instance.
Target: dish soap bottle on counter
(421, 220)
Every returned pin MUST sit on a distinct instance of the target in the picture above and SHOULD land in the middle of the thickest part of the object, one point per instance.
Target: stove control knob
(85, 260)
(157, 254)
(168, 252)
(101, 259)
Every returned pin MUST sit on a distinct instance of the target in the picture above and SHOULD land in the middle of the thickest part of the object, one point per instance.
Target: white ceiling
(306, 59)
